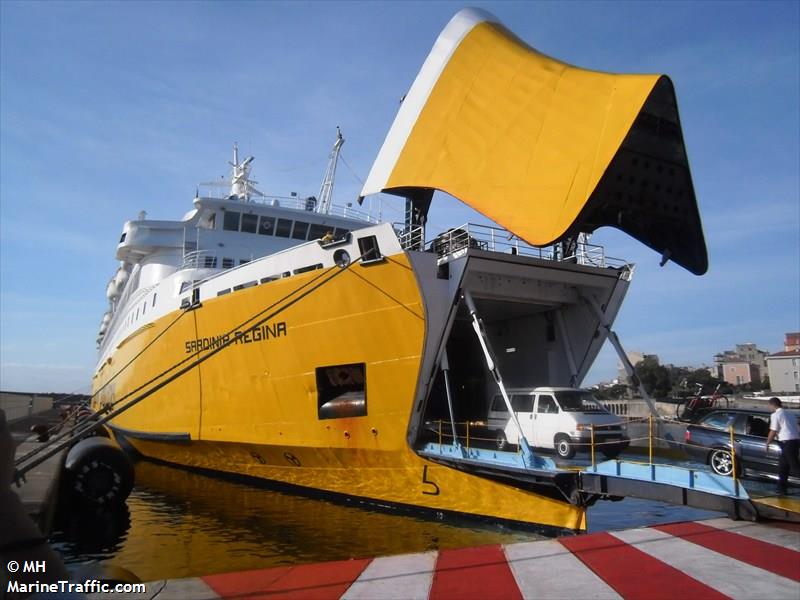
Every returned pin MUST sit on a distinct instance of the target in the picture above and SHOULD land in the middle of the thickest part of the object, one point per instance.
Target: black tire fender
(98, 472)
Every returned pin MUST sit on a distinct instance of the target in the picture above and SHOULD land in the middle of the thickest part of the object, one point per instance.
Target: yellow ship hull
(252, 409)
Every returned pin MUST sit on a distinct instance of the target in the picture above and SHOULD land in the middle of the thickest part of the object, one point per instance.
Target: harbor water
(179, 523)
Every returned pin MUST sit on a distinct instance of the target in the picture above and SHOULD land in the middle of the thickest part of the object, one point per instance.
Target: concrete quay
(717, 558)
(38, 492)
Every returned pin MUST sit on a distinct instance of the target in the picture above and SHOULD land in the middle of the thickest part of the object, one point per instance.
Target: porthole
(341, 258)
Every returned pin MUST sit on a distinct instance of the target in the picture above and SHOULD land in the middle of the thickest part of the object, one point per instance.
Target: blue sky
(107, 109)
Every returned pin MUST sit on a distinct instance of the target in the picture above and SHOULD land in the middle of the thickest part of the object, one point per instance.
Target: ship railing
(412, 238)
(295, 203)
(495, 239)
(200, 259)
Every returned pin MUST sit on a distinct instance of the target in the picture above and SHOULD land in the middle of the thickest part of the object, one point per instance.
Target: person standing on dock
(783, 426)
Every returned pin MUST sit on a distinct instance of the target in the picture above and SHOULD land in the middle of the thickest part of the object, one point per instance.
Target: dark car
(709, 441)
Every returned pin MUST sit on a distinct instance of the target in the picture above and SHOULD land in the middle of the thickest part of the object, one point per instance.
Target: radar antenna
(241, 186)
(326, 189)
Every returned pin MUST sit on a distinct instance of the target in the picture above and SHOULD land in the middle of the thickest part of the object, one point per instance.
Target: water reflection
(91, 533)
(181, 524)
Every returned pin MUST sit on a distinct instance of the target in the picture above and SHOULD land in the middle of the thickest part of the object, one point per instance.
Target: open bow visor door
(545, 149)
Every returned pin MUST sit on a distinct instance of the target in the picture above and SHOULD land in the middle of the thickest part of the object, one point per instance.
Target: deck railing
(200, 259)
(495, 239)
(296, 203)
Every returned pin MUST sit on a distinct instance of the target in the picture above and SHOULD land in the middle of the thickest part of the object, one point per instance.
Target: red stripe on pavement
(325, 581)
(473, 573)
(631, 572)
(772, 558)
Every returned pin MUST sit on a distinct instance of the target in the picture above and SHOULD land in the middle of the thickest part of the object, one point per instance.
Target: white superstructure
(161, 262)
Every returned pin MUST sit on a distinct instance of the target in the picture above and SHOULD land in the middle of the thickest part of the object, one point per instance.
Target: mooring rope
(63, 441)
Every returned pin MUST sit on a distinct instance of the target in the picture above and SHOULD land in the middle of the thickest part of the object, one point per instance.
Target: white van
(557, 418)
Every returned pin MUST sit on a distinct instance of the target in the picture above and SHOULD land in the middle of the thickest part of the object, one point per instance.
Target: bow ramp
(616, 479)
(546, 149)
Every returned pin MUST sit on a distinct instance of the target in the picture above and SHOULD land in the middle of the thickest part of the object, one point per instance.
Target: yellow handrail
(733, 463)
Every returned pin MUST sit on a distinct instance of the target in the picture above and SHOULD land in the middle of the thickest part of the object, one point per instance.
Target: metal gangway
(641, 476)
(614, 479)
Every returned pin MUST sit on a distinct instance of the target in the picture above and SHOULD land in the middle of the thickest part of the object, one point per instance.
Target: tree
(612, 392)
(654, 377)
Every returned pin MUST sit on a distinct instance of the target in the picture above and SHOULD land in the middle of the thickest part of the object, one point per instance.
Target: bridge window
(249, 223)
(210, 262)
(317, 231)
(266, 225)
(231, 221)
(300, 230)
(341, 391)
(284, 228)
(227, 263)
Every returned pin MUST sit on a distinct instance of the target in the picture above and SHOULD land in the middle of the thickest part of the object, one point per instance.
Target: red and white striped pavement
(711, 559)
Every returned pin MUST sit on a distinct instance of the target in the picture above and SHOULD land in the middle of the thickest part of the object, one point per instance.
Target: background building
(784, 371)
(730, 368)
(635, 357)
(791, 341)
(739, 372)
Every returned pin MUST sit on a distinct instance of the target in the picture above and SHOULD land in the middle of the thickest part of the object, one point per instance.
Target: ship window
(210, 262)
(227, 263)
(231, 222)
(244, 261)
(266, 225)
(308, 268)
(249, 223)
(154, 299)
(370, 251)
(341, 391)
(300, 230)
(317, 231)
(340, 233)
(243, 286)
(283, 228)
(122, 237)
(268, 279)
(223, 292)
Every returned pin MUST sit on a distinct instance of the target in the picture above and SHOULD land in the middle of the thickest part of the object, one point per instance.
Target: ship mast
(241, 184)
(326, 189)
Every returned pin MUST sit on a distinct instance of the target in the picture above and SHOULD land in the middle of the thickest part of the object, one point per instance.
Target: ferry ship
(305, 344)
